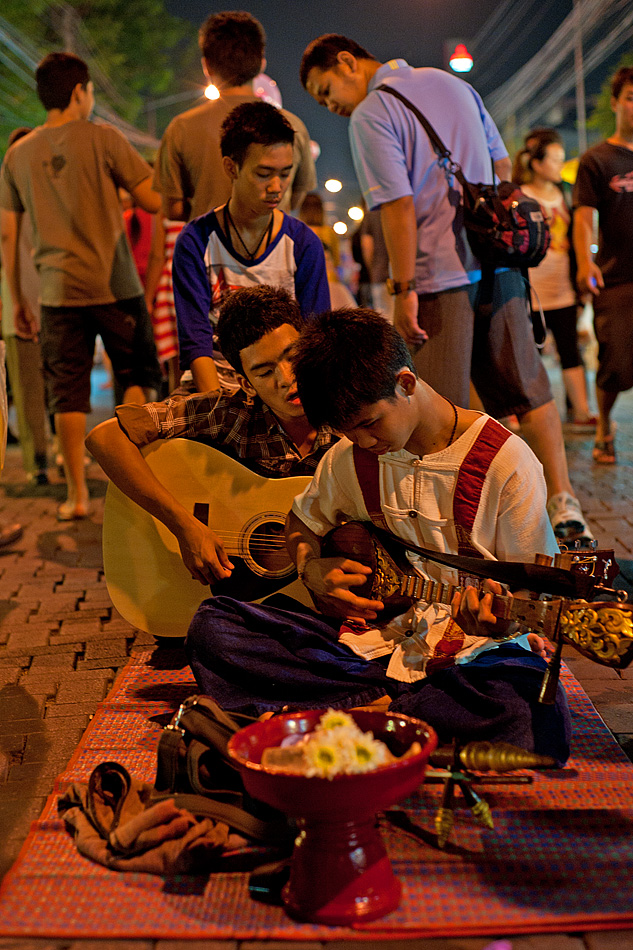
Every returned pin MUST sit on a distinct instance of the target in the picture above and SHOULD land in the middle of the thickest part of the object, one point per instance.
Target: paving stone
(102, 648)
(41, 774)
(26, 636)
(285, 944)
(123, 945)
(34, 944)
(618, 716)
(16, 660)
(59, 660)
(80, 580)
(219, 945)
(120, 627)
(9, 675)
(609, 940)
(98, 596)
(37, 590)
(75, 631)
(82, 692)
(71, 714)
(16, 618)
(102, 663)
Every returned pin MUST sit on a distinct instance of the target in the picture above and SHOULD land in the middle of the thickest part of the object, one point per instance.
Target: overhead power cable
(13, 45)
(539, 72)
(609, 44)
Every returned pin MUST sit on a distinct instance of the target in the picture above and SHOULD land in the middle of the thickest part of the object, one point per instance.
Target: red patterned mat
(560, 857)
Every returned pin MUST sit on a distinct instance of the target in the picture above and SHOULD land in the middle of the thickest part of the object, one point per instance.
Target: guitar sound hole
(266, 550)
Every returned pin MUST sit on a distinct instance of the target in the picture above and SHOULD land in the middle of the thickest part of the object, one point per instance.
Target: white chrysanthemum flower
(367, 753)
(336, 719)
(322, 758)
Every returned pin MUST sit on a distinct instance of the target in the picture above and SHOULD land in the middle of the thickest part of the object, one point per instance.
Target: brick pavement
(62, 644)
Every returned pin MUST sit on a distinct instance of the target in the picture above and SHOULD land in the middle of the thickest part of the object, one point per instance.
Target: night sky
(412, 29)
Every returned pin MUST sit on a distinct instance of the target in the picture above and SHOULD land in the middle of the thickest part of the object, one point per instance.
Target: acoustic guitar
(147, 581)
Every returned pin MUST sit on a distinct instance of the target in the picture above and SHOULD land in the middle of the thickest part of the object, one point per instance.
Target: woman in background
(537, 169)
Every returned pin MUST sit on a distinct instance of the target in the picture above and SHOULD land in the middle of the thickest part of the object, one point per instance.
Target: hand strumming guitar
(202, 552)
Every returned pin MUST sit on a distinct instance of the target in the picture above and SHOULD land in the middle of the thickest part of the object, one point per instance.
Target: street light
(212, 92)
(461, 61)
(340, 227)
(333, 185)
(356, 213)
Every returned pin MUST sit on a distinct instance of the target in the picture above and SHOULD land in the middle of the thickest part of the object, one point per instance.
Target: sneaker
(567, 519)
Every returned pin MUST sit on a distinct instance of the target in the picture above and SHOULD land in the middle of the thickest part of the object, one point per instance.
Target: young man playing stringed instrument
(435, 475)
(263, 425)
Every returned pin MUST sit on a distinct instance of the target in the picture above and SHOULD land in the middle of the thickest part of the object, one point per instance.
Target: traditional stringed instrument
(600, 629)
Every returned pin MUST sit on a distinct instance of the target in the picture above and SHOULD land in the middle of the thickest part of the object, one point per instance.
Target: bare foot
(537, 644)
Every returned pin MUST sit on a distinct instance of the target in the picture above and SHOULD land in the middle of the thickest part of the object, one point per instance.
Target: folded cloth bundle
(115, 824)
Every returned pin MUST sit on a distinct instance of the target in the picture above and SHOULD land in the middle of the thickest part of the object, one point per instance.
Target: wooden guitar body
(147, 581)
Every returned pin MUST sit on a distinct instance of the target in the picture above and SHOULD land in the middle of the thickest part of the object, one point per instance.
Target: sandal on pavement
(10, 534)
(69, 511)
(604, 450)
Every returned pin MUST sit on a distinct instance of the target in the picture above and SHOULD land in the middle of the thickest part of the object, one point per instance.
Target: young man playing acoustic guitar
(263, 425)
(437, 476)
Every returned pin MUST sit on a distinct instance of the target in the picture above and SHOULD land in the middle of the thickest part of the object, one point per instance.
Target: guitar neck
(540, 615)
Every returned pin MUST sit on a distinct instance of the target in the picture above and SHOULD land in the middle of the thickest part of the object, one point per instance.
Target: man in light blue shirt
(457, 324)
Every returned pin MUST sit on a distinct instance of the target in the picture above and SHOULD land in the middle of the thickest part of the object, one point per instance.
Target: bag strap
(238, 819)
(438, 145)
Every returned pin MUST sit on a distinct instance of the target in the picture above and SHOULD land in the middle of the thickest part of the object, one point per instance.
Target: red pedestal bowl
(340, 872)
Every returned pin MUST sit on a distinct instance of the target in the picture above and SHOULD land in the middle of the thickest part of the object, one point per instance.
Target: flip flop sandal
(604, 451)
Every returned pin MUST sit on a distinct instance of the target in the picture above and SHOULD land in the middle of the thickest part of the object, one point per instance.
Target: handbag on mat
(195, 770)
(505, 227)
(196, 817)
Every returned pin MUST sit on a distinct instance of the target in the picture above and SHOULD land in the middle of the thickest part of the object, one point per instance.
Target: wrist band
(301, 572)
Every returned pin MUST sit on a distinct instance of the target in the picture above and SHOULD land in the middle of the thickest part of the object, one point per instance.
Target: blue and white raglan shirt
(206, 267)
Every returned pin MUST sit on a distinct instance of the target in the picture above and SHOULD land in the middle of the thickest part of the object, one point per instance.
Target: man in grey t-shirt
(64, 175)
(189, 171)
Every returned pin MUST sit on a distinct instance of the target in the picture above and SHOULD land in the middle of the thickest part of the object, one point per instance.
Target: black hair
(56, 77)
(623, 76)
(322, 53)
(18, 134)
(311, 210)
(253, 123)
(538, 139)
(233, 43)
(249, 313)
(346, 360)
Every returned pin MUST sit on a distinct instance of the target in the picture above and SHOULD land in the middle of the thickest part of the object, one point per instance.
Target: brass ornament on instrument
(603, 632)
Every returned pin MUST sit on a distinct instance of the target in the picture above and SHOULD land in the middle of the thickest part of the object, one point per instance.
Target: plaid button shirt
(247, 432)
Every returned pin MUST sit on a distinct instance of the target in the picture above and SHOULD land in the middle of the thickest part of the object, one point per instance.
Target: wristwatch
(400, 286)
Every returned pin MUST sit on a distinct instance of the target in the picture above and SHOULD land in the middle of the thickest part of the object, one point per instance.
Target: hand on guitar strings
(471, 608)
(203, 553)
(331, 578)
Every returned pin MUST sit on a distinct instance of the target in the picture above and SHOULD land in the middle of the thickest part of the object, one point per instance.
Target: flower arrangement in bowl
(332, 772)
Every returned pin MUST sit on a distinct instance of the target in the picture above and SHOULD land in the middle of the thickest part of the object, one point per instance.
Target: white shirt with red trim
(511, 524)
